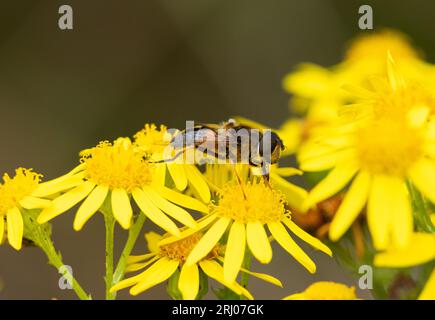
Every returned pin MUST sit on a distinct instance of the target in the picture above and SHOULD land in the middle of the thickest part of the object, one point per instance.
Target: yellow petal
(92, 203)
(178, 174)
(208, 241)
(351, 207)
(243, 291)
(198, 182)
(202, 223)
(121, 207)
(394, 77)
(418, 115)
(428, 292)
(139, 258)
(182, 200)
(381, 208)
(263, 276)
(153, 239)
(423, 176)
(215, 271)
(325, 161)
(34, 203)
(357, 91)
(15, 227)
(235, 251)
(283, 238)
(320, 157)
(133, 267)
(157, 273)
(420, 249)
(334, 182)
(58, 185)
(297, 296)
(126, 283)
(154, 213)
(159, 175)
(314, 242)
(295, 195)
(188, 283)
(66, 201)
(170, 209)
(258, 242)
(287, 171)
(320, 163)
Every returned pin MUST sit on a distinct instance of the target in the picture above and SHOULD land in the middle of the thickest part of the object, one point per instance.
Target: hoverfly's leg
(264, 172)
(170, 159)
(239, 180)
(266, 180)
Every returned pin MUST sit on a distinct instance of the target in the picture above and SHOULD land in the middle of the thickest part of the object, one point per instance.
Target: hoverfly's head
(271, 146)
(276, 147)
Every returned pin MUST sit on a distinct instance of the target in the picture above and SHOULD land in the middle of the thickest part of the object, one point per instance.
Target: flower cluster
(368, 134)
(115, 177)
(364, 140)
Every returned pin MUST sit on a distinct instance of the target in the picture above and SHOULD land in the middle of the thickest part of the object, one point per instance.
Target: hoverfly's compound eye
(267, 143)
(270, 146)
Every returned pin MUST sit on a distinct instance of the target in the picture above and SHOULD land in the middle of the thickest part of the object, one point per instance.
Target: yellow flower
(116, 171)
(153, 142)
(421, 249)
(244, 209)
(17, 195)
(317, 92)
(219, 175)
(315, 89)
(320, 87)
(391, 141)
(325, 290)
(165, 260)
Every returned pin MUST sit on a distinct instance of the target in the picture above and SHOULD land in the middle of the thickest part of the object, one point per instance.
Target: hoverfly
(229, 142)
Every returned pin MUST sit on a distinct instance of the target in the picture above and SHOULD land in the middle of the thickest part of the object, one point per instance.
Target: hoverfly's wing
(250, 123)
(212, 126)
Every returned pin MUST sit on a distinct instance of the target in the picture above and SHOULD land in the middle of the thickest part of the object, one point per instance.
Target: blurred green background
(163, 61)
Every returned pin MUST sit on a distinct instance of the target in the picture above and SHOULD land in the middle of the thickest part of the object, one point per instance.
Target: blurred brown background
(164, 61)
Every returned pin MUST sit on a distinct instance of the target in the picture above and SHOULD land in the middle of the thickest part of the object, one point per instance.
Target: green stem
(109, 221)
(422, 217)
(55, 259)
(40, 234)
(133, 234)
(247, 261)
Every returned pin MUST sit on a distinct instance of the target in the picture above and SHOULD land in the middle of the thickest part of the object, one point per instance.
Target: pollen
(251, 202)
(181, 249)
(13, 190)
(117, 166)
(409, 99)
(390, 146)
(151, 139)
